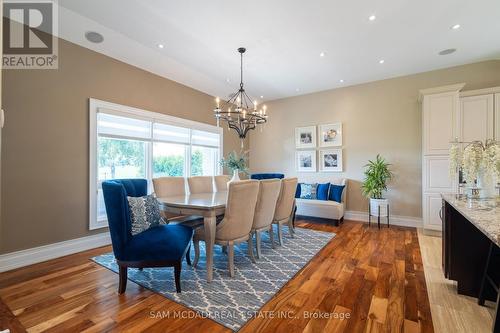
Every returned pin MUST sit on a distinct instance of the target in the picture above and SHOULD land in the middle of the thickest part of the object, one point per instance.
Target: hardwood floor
(452, 312)
(364, 280)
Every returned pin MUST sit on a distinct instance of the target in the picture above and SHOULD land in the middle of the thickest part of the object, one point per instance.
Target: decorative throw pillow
(336, 192)
(322, 191)
(308, 191)
(297, 191)
(144, 213)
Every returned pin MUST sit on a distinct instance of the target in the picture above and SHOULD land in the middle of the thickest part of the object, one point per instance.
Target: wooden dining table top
(212, 200)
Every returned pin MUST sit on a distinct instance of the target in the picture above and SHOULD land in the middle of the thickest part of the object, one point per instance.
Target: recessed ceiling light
(261, 96)
(447, 51)
(322, 54)
(341, 81)
(381, 61)
(455, 27)
(297, 89)
(160, 46)
(94, 37)
(372, 17)
(227, 80)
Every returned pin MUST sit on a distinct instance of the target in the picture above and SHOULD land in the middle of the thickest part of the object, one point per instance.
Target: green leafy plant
(377, 174)
(235, 161)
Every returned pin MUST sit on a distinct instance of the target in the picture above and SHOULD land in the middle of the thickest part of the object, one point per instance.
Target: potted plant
(236, 163)
(377, 174)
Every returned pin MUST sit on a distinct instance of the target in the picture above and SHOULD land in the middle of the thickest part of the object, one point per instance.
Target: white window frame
(131, 112)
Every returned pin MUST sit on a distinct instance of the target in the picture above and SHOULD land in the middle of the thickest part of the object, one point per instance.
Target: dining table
(206, 205)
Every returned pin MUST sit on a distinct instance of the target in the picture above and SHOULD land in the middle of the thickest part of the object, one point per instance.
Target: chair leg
(271, 235)
(290, 227)
(188, 255)
(250, 248)
(257, 244)
(230, 258)
(196, 244)
(280, 236)
(122, 285)
(177, 275)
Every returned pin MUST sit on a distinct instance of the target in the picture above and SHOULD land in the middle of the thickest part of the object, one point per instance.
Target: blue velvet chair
(161, 246)
(260, 176)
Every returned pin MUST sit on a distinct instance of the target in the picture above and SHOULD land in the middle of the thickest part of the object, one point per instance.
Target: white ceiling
(284, 39)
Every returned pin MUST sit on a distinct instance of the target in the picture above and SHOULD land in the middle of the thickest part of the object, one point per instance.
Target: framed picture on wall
(305, 137)
(306, 160)
(330, 160)
(330, 135)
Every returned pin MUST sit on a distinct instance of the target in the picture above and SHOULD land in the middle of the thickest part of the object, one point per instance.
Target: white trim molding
(38, 254)
(402, 221)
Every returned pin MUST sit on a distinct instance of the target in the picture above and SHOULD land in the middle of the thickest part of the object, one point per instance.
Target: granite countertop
(483, 213)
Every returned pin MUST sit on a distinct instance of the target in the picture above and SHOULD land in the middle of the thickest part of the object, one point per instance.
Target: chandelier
(240, 113)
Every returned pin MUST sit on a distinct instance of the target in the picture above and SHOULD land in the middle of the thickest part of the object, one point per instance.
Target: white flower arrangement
(455, 159)
(475, 160)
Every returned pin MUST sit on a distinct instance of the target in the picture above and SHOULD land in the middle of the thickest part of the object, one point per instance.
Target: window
(131, 143)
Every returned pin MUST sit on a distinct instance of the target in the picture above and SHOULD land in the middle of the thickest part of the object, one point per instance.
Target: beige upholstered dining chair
(221, 182)
(285, 206)
(269, 191)
(237, 222)
(201, 184)
(171, 187)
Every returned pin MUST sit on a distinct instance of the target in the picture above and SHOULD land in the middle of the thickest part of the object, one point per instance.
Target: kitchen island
(471, 243)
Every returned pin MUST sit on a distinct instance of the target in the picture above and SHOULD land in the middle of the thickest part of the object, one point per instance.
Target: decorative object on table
(305, 137)
(330, 160)
(236, 163)
(330, 135)
(377, 174)
(240, 111)
(306, 160)
(480, 164)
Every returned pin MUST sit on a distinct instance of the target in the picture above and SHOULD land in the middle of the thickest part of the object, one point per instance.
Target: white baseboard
(404, 221)
(38, 254)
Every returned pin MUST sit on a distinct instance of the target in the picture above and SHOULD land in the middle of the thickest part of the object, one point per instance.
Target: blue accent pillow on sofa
(322, 191)
(308, 191)
(297, 191)
(336, 192)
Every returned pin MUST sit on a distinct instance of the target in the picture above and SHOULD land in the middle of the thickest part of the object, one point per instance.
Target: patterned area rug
(232, 301)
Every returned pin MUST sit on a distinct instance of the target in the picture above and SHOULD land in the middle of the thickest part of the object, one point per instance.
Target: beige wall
(378, 117)
(44, 170)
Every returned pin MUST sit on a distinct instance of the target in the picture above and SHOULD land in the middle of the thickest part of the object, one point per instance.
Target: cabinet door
(497, 117)
(476, 118)
(432, 204)
(436, 174)
(440, 114)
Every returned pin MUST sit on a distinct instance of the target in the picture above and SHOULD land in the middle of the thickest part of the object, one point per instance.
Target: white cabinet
(436, 174)
(440, 116)
(431, 205)
(440, 126)
(476, 118)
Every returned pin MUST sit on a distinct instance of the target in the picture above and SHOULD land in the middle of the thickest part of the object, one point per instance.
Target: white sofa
(324, 209)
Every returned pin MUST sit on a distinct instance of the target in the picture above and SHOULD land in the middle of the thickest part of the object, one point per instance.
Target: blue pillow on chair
(336, 192)
(322, 191)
